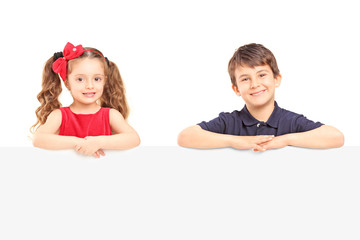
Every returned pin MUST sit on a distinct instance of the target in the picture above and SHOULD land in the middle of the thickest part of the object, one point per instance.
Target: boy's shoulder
(279, 116)
(241, 122)
(234, 115)
(289, 121)
(243, 114)
(285, 114)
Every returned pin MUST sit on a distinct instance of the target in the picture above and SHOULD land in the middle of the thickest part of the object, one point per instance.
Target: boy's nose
(254, 83)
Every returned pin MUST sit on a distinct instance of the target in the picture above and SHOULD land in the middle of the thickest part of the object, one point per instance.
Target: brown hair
(113, 95)
(252, 55)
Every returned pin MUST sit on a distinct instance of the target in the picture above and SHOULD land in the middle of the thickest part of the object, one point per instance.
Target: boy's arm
(196, 137)
(46, 135)
(322, 137)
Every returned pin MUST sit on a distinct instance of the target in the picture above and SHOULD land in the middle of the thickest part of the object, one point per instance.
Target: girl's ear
(236, 90)
(278, 80)
(66, 83)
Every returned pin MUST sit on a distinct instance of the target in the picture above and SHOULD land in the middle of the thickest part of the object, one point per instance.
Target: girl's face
(86, 80)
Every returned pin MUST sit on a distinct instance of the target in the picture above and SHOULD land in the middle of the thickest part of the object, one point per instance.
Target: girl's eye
(97, 79)
(79, 79)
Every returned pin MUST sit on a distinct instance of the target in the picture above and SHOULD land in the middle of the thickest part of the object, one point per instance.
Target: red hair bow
(70, 52)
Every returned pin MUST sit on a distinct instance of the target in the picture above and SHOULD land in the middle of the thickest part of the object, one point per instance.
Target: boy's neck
(263, 112)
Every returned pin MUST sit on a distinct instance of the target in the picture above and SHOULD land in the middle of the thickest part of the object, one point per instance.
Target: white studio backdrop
(173, 58)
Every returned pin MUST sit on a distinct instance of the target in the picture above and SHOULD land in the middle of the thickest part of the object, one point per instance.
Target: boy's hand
(256, 143)
(90, 146)
(276, 142)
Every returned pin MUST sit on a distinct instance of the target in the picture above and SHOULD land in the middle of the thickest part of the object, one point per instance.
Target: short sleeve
(302, 124)
(217, 125)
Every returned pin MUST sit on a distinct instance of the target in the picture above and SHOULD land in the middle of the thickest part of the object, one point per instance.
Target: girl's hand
(90, 146)
(99, 153)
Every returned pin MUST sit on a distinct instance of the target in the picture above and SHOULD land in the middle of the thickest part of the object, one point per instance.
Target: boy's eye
(79, 79)
(245, 79)
(262, 75)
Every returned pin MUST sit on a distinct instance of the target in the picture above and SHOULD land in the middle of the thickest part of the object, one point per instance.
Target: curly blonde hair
(113, 95)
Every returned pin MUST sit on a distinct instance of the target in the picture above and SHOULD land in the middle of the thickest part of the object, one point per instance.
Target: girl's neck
(79, 108)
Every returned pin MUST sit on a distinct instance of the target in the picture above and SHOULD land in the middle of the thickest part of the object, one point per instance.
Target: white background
(173, 58)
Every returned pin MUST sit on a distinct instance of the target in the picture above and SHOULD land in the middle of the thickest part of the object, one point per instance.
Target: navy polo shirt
(242, 123)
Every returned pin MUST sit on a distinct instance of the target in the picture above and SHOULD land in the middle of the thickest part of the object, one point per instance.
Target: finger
(264, 136)
(77, 148)
(97, 154)
(101, 152)
(264, 139)
(270, 145)
(257, 148)
(264, 146)
(81, 150)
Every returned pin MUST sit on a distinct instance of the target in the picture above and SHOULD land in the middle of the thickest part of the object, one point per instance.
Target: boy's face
(256, 85)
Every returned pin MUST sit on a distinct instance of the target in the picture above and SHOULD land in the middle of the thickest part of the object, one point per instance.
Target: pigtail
(49, 95)
(114, 91)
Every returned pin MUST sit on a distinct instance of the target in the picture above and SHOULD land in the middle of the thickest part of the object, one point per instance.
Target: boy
(261, 124)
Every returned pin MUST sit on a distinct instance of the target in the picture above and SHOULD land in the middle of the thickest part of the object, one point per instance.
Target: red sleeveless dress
(83, 125)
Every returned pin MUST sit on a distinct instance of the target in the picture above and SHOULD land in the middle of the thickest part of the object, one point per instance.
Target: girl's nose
(89, 84)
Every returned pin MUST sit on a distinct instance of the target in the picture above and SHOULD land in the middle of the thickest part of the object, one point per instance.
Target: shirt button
(258, 125)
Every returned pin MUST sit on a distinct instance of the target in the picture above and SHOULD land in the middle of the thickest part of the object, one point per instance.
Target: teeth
(89, 94)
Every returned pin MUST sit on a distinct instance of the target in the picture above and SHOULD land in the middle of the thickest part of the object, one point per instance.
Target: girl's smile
(89, 94)
(86, 81)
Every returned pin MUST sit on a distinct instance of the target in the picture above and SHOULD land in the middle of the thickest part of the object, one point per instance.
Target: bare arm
(124, 137)
(196, 137)
(46, 136)
(323, 137)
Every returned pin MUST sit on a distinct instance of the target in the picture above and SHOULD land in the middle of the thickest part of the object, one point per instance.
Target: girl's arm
(323, 137)
(196, 137)
(46, 136)
(124, 136)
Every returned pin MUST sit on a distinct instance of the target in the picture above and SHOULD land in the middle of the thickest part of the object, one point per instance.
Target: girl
(96, 120)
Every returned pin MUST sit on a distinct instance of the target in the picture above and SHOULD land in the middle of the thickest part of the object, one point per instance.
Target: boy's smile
(256, 85)
(257, 93)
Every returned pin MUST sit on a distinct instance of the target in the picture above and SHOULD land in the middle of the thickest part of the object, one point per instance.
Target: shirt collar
(249, 120)
(274, 118)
